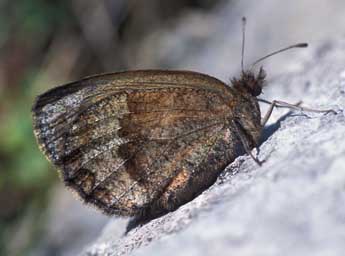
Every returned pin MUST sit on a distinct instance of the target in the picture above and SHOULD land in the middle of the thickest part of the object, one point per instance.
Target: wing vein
(166, 148)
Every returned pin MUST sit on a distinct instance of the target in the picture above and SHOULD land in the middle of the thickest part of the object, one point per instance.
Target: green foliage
(42, 41)
(25, 174)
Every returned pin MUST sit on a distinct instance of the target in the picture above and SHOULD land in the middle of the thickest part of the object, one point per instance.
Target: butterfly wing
(123, 140)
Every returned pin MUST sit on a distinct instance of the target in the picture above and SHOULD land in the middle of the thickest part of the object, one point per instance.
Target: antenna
(300, 45)
(244, 20)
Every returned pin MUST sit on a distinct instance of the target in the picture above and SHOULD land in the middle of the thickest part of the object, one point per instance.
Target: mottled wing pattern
(125, 141)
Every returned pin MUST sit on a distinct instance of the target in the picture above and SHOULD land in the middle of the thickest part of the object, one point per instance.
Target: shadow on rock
(272, 128)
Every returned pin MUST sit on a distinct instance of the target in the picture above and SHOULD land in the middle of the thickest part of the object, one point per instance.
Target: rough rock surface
(292, 205)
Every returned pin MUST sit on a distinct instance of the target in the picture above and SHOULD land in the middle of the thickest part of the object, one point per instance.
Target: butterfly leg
(245, 142)
(282, 104)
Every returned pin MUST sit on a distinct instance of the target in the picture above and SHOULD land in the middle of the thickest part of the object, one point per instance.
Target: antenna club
(302, 45)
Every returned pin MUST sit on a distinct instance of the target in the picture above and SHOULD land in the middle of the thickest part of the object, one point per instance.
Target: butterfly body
(142, 143)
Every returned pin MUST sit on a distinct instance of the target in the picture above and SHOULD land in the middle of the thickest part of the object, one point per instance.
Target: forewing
(119, 139)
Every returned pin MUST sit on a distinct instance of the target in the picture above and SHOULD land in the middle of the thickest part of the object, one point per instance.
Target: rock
(293, 203)
(69, 225)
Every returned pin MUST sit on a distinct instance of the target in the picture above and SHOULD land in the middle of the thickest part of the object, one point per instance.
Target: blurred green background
(44, 43)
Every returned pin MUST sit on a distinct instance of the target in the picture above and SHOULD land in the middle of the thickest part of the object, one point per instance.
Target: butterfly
(143, 143)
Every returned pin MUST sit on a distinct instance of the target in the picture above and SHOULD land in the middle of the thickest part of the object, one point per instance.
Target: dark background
(45, 43)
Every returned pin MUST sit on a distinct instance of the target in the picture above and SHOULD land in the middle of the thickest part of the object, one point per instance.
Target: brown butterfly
(142, 143)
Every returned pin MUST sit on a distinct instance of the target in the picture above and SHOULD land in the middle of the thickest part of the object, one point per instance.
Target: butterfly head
(250, 83)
